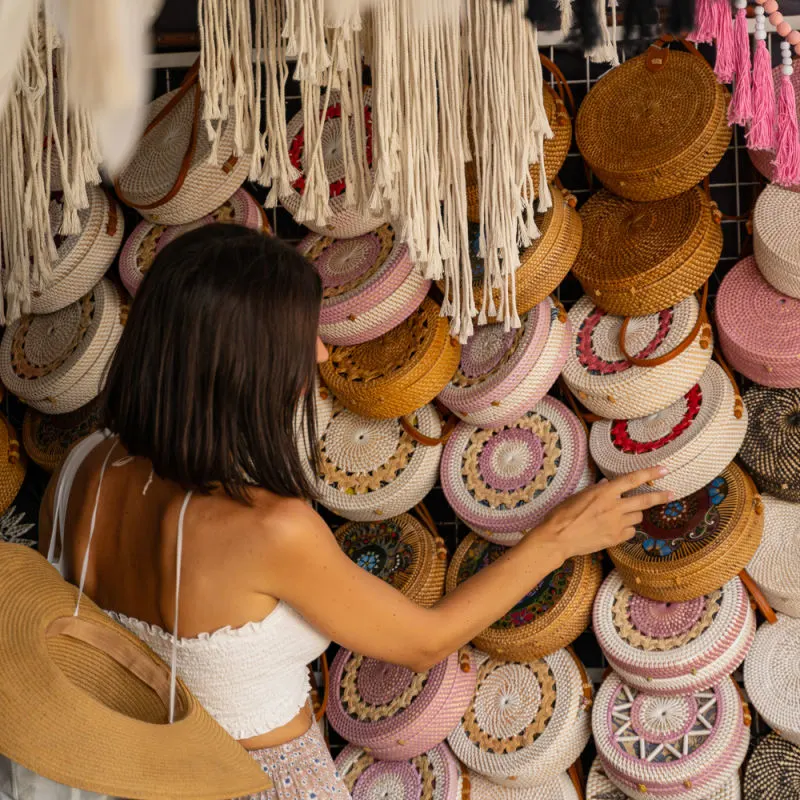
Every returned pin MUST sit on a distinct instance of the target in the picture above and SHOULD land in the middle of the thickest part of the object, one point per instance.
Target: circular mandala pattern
(395, 713)
(773, 770)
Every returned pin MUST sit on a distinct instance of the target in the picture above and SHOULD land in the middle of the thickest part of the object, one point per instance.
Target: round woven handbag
(640, 258)
(401, 551)
(773, 770)
(435, 775)
(147, 239)
(13, 462)
(527, 722)
(693, 546)
(84, 258)
(777, 251)
(172, 177)
(551, 616)
(776, 565)
(759, 328)
(503, 483)
(695, 438)
(345, 221)
(628, 134)
(504, 374)
(558, 788)
(47, 438)
(369, 284)
(398, 373)
(673, 648)
(771, 448)
(771, 676)
(373, 469)
(57, 362)
(681, 747)
(396, 713)
(599, 787)
(667, 353)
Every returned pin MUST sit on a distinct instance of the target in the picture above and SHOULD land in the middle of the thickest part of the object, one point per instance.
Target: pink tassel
(703, 32)
(761, 135)
(724, 66)
(740, 110)
(787, 159)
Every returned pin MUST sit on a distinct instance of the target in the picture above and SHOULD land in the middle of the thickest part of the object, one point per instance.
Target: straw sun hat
(85, 703)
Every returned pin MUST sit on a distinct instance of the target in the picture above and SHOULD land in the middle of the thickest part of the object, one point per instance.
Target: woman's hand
(600, 517)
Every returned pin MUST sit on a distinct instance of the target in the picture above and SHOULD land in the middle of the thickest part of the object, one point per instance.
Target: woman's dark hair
(218, 352)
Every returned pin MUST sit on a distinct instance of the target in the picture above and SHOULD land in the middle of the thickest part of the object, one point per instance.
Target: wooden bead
(776, 18)
(793, 38)
(784, 29)
(771, 6)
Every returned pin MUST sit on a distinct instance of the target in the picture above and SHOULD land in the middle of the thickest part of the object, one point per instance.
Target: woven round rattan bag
(503, 482)
(434, 775)
(12, 462)
(693, 546)
(399, 372)
(395, 713)
(771, 448)
(777, 251)
(640, 258)
(628, 133)
(561, 787)
(503, 374)
(57, 362)
(528, 720)
(551, 616)
(759, 328)
(400, 551)
(695, 438)
(773, 770)
(670, 352)
(369, 284)
(680, 747)
(673, 648)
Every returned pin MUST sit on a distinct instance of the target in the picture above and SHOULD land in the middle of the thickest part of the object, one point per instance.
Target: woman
(197, 515)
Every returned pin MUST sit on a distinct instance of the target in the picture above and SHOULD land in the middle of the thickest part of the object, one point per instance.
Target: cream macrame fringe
(606, 50)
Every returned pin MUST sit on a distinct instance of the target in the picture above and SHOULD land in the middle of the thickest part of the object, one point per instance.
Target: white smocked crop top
(252, 679)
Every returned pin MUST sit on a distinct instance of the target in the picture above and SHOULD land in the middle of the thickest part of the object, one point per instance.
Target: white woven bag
(559, 788)
(84, 258)
(776, 219)
(695, 438)
(611, 385)
(776, 565)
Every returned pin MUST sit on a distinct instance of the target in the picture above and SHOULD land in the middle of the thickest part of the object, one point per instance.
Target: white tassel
(605, 52)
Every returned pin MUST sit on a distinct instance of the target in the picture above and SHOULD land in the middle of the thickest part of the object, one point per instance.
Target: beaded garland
(773, 770)
(673, 648)
(396, 713)
(558, 788)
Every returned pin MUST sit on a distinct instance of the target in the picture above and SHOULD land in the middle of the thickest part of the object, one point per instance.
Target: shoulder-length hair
(217, 358)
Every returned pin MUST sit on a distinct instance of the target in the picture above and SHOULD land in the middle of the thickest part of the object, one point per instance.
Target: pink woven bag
(759, 328)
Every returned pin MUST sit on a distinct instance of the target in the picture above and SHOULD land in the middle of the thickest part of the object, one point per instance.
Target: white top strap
(173, 672)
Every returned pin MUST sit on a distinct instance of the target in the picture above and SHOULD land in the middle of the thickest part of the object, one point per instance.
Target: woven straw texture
(773, 770)
(345, 220)
(777, 250)
(682, 747)
(544, 264)
(399, 372)
(527, 722)
(771, 449)
(610, 385)
(504, 374)
(551, 616)
(691, 547)
(57, 362)
(759, 328)
(772, 678)
(694, 438)
(558, 788)
(147, 239)
(640, 258)
(156, 164)
(504, 482)
(400, 551)
(673, 648)
(369, 284)
(776, 565)
(555, 152)
(84, 258)
(435, 775)
(372, 469)
(395, 713)
(14, 464)
(47, 438)
(628, 134)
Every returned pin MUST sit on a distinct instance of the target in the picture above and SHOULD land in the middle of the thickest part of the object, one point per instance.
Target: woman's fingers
(641, 502)
(633, 480)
